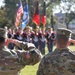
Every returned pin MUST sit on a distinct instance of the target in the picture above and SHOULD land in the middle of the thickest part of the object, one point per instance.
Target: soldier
(10, 35)
(12, 61)
(27, 34)
(18, 36)
(42, 40)
(35, 37)
(62, 60)
(50, 36)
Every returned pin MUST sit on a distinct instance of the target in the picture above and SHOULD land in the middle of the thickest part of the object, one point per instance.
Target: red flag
(36, 17)
(19, 13)
(43, 20)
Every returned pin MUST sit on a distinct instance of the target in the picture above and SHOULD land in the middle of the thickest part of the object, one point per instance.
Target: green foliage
(11, 7)
(69, 9)
(69, 17)
(3, 20)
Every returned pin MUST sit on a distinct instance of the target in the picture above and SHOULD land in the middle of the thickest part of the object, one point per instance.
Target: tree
(3, 20)
(69, 8)
(69, 17)
(11, 8)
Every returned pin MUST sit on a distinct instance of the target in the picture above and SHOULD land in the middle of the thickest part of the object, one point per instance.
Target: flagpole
(44, 25)
(28, 21)
(43, 19)
(27, 1)
(20, 0)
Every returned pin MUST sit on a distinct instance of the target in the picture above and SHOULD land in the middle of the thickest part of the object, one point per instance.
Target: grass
(31, 70)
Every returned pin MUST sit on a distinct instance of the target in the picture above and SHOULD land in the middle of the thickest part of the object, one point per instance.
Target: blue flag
(25, 17)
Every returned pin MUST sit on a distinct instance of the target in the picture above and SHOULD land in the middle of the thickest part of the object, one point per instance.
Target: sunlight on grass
(31, 70)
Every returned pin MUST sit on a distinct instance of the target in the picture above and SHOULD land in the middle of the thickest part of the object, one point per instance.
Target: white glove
(31, 45)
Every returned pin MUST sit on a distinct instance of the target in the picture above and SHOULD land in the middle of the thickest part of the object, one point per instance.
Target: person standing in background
(42, 40)
(50, 36)
(35, 37)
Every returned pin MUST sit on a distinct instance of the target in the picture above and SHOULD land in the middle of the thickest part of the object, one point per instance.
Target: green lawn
(31, 70)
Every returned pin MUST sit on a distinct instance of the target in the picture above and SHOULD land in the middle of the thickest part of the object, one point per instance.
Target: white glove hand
(31, 45)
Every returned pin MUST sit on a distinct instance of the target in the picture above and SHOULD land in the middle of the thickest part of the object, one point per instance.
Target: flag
(43, 20)
(36, 17)
(19, 13)
(25, 16)
(27, 55)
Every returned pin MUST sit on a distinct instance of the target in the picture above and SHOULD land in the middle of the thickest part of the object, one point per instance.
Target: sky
(1, 3)
(64, 6)
(58, 8)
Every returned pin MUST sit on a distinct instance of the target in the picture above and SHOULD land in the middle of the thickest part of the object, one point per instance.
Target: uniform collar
(62, 49)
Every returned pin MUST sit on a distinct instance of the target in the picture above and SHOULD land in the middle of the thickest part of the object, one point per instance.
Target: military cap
(64, 31)
(37, 27)
(27, 27)
(3, 33)
(49, 27)
(31, 28)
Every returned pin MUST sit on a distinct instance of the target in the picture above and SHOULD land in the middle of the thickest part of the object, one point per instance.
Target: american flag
(25, 16)
(19, 13)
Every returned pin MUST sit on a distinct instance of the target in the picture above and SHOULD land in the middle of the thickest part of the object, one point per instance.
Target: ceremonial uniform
(62, 60)
(42, 41)
(12, 61)
(27, 35)
(18, 36)
(50, 36)
(10, 35)
(35, 37)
